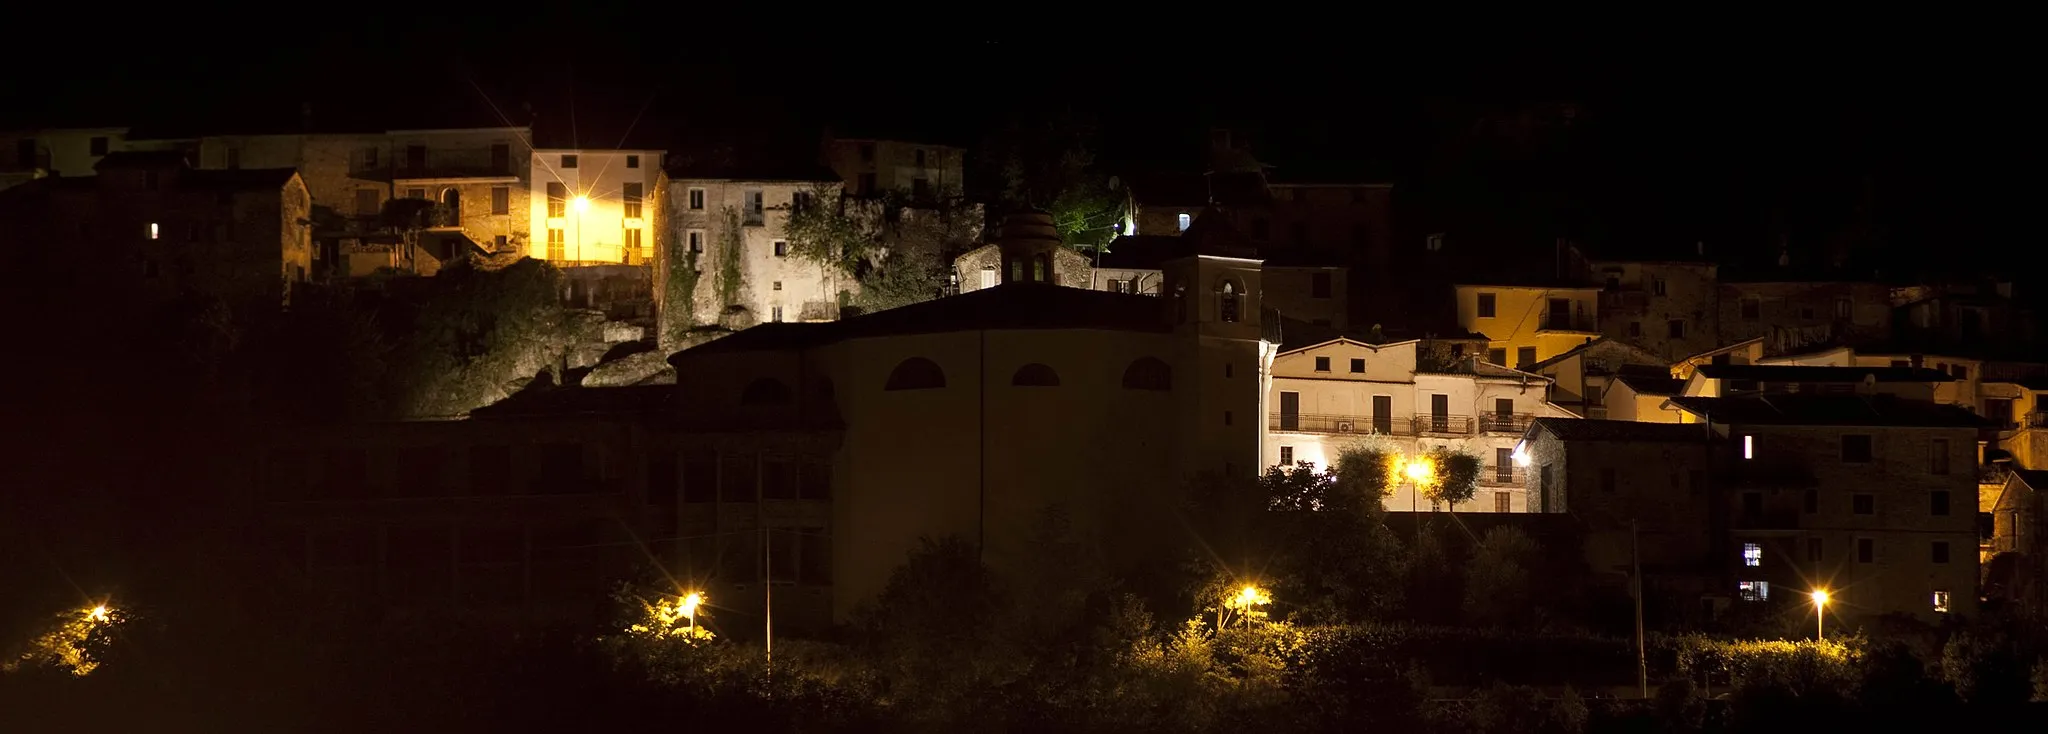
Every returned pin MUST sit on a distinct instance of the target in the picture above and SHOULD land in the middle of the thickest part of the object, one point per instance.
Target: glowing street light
(1820, 613)
(1246, 599)
(1419, 470)
(582, 203)
(96, 614)
(689, 606)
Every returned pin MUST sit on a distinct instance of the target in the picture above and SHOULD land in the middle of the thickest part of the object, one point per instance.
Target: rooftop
(1807, 373)
(1830, 410)
(1644, 385)
(559, 401)
(1011, 306)
(1593, 429)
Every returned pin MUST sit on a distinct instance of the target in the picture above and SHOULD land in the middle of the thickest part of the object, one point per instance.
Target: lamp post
(1420, 472)
(689, 605)
(1248, 597)
(1820, 614)
(582, 204)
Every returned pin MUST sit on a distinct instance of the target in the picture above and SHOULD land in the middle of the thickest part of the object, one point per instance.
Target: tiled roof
(1807, 373)
(1830, 410)
(2034, 478)
(142, 159)
(1591, 429)
(1011, 306)
(1604, 342)
(1653, 385)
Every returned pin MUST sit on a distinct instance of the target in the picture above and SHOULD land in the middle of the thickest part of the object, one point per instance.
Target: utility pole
(768, 595)
(1636, 562)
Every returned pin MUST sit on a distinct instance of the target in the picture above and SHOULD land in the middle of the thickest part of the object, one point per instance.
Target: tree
(1049, 162)
(1457, 477)
(824, 232)
(1498, 583)
(1338, 560)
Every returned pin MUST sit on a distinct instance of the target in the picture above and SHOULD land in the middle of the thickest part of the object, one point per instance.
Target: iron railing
(1567, 322)
(1503, 476)
(1418, 425)
(1505, 422)
(1448, 425)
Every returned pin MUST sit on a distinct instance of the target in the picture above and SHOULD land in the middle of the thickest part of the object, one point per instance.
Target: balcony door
(1560, 313)
(1290, 411)
(1383, 414)
(1440, 413)
(1503, 414)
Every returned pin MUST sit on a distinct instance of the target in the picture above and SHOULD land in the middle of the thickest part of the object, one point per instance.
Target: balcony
(1443, 425)
(1341, 424)
(1505, 423)
(2037, 420)
(1503, 476)
(1553, 321)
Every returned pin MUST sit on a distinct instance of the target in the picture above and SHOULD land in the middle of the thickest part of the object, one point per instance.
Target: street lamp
(1419, 472)
(689, 606)
(1248, 597)
(1820, 613)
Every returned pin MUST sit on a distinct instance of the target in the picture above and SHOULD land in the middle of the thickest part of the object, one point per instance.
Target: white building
(744, 220)
(594, 206)
(1329, 395)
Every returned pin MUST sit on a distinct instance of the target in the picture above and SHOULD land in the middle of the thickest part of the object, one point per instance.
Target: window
(781, 248)
(366, 202)
(1941, 601)
(1752, 554)
(920, 158)
(1813, 550)
(1938, 552)
(1856, 449)
(498, 243)
(1148, 373)
(775, 314)
(1748, 446)
(1035, 375)
(696, 238)
(1607, 480)
(632, 193)
(501, 158)
(1504, 464)
(696, 200)
(632, 161)
(1357, 366)
(1287, 456)
(1752, 309)
(1434, 243)
(1227, 305)
(765, 391)
(1937, 503)
(1754, 590)
(630, 248)
(799, 200)
(558, 200)
(568, 160)
(1841, 308)
(1863, 504)
(1961, 372)
(1866, 550)
(1635, 328)
(755, 205)
(1525, 357)
(778, 285)
(234, 158)
(1501, 501)
(501, 200)
(1486, 305)
(555, 243)
(916, 373)
(1229, 370)
(416, 193)
(1675, 328)
(1322, 364)
(1497, 356)
(1319, 285)
(1183, 220)
(99, 145)
(867, 152)
(154, 232)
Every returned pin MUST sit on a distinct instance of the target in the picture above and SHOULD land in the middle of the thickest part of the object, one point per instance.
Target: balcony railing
(1505, 423)
(1567, 322)
(1418, 425)
(1502, 476)
(1330, 423)
(2037, 420)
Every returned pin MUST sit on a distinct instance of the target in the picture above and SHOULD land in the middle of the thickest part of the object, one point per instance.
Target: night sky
(1916, 144)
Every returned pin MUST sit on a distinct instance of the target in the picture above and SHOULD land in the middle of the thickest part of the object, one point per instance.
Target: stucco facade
(594, 206)
(1529, 324)
(479, 178)
(1328, 397)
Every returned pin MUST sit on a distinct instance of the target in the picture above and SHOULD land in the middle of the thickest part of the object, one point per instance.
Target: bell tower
(1027, 246)
(1213, 285)
(1213, 297)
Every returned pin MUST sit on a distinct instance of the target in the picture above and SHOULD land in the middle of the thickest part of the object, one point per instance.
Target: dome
(1029, 231)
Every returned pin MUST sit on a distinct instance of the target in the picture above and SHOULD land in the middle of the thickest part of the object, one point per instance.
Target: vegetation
(1048, 162)
(897, 249)
(732, 248)
(680, 302)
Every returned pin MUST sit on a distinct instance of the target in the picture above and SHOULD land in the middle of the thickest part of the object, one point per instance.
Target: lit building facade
(1529, 324)
(591, 206)
(715, 223)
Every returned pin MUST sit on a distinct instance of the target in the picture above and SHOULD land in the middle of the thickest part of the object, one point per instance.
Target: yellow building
(1529, 324)
(594, 206)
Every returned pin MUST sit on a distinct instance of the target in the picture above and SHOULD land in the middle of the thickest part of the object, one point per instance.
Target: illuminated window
(555, 249)
(1748, 447)
(153, 230)
(1752, 554)
(631, 248)
(1754, 590)
(916, 373)
(632, 193)
(1941, 601)
(989, 275)
(1228, 309)
(1184, 220)
(558, 200)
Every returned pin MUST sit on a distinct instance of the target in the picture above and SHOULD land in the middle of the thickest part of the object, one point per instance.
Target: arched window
(1041, 268)
(1148, 373)
(916, 373)
(765, 391)
(1227, 296)
(1035, 375)
(1016, 271)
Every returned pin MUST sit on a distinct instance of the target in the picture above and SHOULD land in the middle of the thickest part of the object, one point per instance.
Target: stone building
(159, 228)
(478, 179)
(2016, 558)
(926, 172)
(729, 249)
(1791, 315)
(1582, 377)
(1671, 308)
(1031, 254)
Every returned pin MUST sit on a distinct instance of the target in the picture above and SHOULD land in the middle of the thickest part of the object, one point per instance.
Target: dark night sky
(1713, 137)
